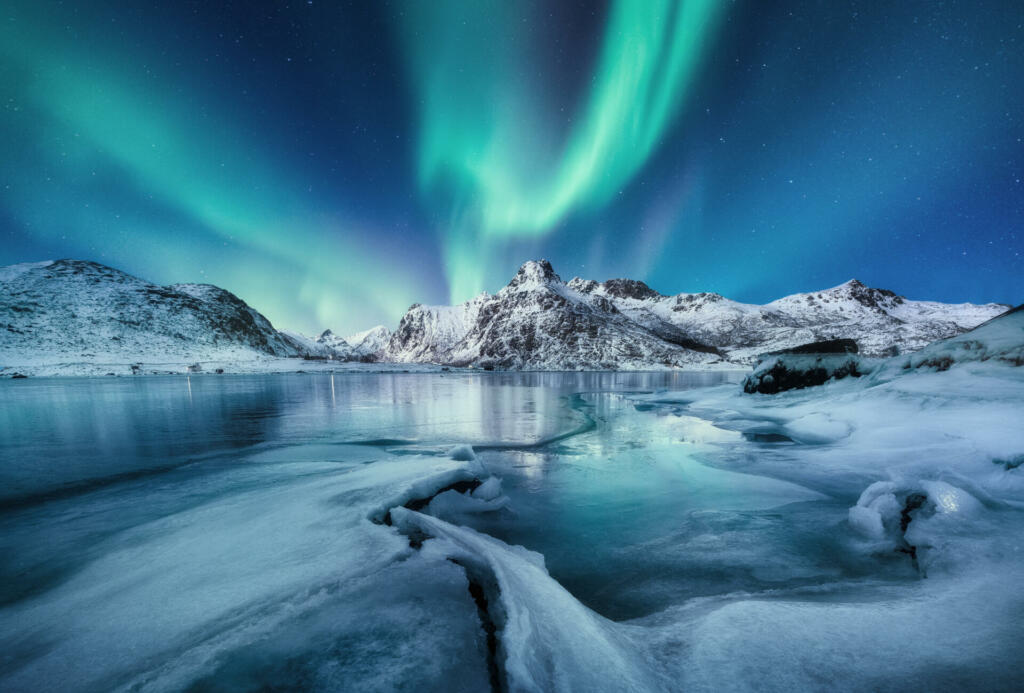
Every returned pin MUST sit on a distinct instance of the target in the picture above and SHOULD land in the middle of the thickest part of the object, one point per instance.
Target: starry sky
(334, 162)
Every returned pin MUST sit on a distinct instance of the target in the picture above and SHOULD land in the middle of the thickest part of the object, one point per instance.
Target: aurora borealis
(332, 163)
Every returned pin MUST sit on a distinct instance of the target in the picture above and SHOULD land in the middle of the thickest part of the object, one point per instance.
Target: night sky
(334, 162)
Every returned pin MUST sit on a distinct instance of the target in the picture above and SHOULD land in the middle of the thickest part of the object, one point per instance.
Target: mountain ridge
(78, 310)
(883, 322)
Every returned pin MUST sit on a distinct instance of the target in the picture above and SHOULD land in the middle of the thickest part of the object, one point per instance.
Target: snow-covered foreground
(524, 532)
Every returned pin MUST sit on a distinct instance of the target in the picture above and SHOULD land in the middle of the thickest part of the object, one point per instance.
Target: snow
(185, 594)
(370, 342)
(319, 347)
(13, 272)
(626, 534)
(549, 641)
(624, 324)
(75, 312)
(878, 320)
(999, 340)
(426, 333)
(71, 316)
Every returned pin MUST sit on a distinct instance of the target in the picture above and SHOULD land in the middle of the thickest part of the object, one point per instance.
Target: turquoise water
(167, 532)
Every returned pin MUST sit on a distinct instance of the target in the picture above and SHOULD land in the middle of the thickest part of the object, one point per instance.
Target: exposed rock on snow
(796, 371)
(832, 346)
(71, 316)
(806, 365)
(76, 311)
(540, 322)
(881, 322)
(341, 347)
(1000, 339)
(319, 348)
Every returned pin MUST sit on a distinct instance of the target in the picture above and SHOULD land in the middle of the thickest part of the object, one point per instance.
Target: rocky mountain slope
(881, 322)
(71, 311)
(76, 311)
(538, 321)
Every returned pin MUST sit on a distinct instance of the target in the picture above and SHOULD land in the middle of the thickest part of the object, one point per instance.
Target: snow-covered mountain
(538, 321)
(68, 311)
(326, 346)
(881, 322)
(369, 343)
(78, 312)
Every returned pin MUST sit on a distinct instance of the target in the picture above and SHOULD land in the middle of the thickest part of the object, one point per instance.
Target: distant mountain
(881, 322)
(538, 321)
(77, 311)
(326, 346)
(369, 343)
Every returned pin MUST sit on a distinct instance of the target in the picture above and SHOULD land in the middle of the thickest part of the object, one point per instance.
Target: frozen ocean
(465, 531)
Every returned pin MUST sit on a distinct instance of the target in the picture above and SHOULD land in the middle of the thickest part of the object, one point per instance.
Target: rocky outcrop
(539, 322)
(806, 365)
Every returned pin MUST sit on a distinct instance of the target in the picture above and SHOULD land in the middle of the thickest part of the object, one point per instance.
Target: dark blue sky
(333, 163)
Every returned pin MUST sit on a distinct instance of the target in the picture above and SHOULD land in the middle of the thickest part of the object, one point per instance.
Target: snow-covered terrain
(77, 317)
(369, 343)
(71, 311)
(540, 322)
(520, 531)
(999, 340)
(881, 322)
(72, 317)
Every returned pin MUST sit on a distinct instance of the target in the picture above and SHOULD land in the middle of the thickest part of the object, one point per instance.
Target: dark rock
(629, 288)
(830, 346)
(795, 372)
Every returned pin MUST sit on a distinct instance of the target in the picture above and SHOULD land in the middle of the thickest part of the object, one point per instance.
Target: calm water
(210, 532)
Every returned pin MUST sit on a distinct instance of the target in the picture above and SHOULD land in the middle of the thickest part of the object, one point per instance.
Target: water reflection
(62, 435)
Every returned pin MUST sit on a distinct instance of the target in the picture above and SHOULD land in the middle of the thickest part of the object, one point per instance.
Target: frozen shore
(531, 532)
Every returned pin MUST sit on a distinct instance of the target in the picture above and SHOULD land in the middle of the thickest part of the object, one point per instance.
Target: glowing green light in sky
(485, 146)
(94, 114)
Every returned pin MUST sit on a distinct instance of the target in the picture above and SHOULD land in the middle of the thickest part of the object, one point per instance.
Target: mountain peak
(629, 288)
(534, 272)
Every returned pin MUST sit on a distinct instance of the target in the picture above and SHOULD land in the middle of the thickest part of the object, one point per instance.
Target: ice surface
(649, 532)
(548, 640)
(166, 600)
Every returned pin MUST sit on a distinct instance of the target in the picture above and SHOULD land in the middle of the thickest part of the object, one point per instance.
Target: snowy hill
(1000, 341)
(538, 321)
(369, 343)
(68, 311)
